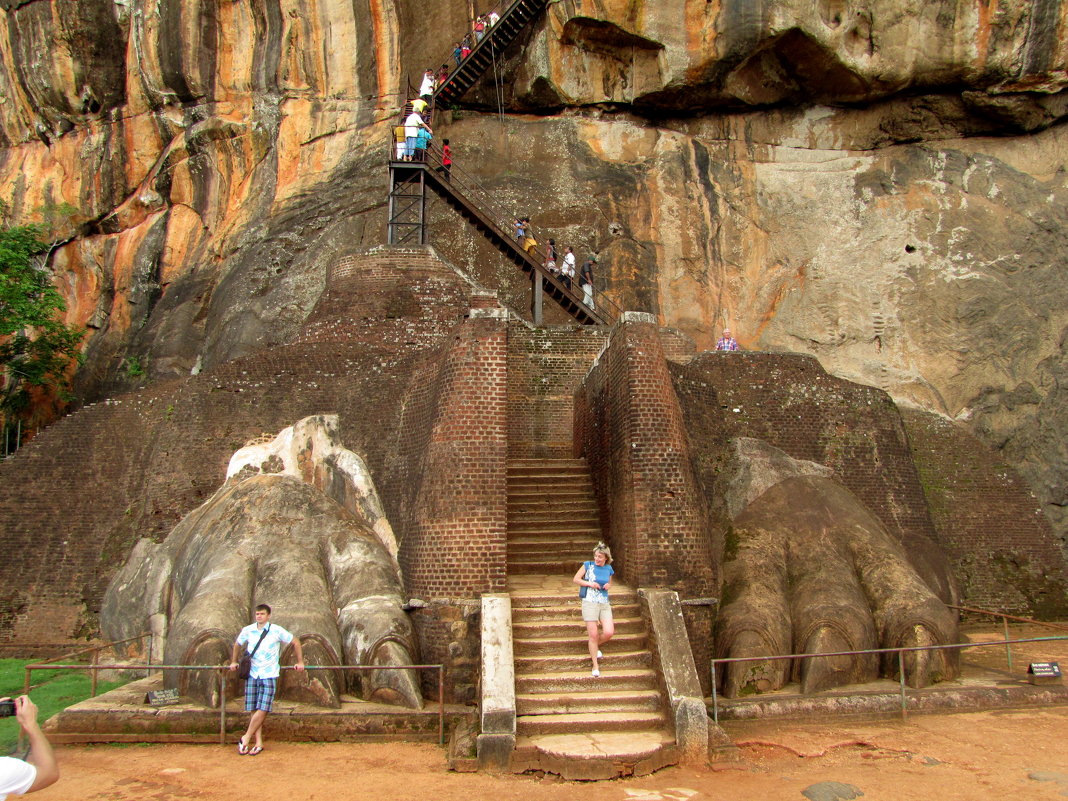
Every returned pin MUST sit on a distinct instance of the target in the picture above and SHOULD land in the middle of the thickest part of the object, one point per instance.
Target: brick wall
(454, 542)
(1002, 548)
(630, 428)
(545, 367)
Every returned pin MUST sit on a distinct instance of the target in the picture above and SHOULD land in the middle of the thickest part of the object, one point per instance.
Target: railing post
(1008, 647)
(901, 679)
(537, 290)
(715, 696)
(92, 686)
(441, 705)
(222, 707)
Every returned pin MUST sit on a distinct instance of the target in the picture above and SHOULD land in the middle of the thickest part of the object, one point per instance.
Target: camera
(7, 708)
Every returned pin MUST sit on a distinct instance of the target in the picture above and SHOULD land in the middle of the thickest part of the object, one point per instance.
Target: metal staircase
(409, 181)
(407, 211)
(514, 17)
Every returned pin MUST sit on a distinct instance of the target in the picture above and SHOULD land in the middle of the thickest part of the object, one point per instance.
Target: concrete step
(573, 490)
(567, 527)
(529, 465)
(598, 756)
(539, 568)
(525, 543)
(632, 659)
(526, 599)
(593, 700)
(612, 678)
(573, 645)
(563, 627)
(583, 722)
(537, 504)
(552, 513)
(569, 612)
(575, 552)
(562, 553)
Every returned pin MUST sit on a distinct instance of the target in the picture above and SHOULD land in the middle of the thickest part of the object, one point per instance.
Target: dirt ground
(1004, 754)
(972, 756)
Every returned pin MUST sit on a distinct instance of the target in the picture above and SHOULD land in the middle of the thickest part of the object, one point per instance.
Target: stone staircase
(567, 721)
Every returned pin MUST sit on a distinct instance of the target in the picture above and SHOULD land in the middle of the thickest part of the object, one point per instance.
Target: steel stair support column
(404, 205)
(537, 289)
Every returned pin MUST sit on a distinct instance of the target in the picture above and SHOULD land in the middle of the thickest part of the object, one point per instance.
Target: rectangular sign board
(1050, 669)
(1044, 673)
(162, 697)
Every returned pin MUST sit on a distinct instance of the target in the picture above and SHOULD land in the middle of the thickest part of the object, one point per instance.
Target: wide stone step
(573, 645)
(559, 550)
(569, 612)
(549, 472)
(563, 681)
(551, 510)
(593, 700)
(554, 523)
(597, 756)
(538, 464)
(573, 528)
(583, 722)
(632, 659)
(563, 627)
(573, 490)
(535, 598)
(539, 568)
(523, 543)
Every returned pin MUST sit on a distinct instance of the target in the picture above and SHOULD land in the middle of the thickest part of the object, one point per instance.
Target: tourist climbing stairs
(514, 17)
(561, 708)
(408, 220)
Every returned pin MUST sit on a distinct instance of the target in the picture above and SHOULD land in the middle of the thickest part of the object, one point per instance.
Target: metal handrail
(1005, 623)
(503, 8)
(900, 651)
(93, 651)
(224, 670)
(472, 189)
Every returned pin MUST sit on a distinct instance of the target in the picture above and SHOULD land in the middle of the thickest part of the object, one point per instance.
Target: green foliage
(133, 367)
(36, 347)
(54, 691)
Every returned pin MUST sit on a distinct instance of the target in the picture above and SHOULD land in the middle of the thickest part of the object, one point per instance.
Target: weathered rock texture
(879, 184)
(269, 534)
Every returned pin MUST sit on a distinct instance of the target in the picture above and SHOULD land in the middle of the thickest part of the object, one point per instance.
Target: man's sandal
(255, 750)
(242, 748)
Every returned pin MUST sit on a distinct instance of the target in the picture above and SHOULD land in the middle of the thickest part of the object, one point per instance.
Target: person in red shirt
(446, 160)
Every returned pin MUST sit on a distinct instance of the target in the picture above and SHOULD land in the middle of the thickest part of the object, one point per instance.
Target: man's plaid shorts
(259, 694)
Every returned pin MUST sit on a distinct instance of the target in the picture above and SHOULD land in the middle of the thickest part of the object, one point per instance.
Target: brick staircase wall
(1001, 545)
(545, 367)
(630, 428)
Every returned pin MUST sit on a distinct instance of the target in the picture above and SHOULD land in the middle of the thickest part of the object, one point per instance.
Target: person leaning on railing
(40, 771)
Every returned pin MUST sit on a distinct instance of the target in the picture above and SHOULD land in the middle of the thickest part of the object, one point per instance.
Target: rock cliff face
(881, 184)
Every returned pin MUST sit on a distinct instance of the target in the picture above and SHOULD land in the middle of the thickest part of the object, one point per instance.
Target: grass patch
(55, 690)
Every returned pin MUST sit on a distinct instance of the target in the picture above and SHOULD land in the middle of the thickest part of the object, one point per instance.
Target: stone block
(495, 751)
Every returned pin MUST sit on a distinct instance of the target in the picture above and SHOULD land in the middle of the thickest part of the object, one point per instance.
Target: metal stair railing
(467, 191)
(514, 16)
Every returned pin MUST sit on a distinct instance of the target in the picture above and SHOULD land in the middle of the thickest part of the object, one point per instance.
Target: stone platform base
(883, 698)
(122, 716)
(594, 756)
